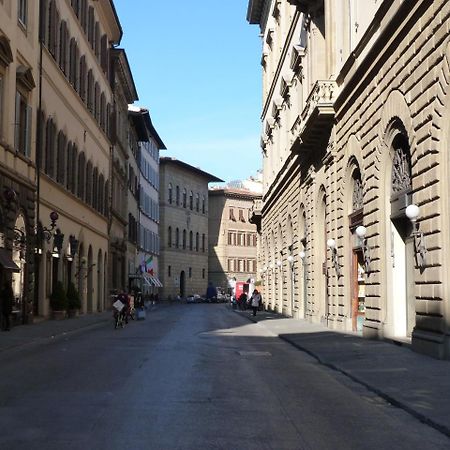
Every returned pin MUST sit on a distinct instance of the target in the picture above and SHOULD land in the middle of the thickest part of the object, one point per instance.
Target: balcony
(312, 128)
(256, 214)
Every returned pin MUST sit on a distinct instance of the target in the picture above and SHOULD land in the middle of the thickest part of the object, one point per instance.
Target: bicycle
(118, 319)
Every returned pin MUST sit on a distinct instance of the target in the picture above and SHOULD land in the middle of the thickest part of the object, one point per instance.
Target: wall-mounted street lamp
(331, 244)
(361, 233)
(58, 240)
(302, 255)
(290, 259)
(279, 263)
(45, 233)
(412, 212)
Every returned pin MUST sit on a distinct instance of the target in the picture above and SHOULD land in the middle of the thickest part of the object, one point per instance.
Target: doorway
(402, 266)
(182, 284)
(358, 290)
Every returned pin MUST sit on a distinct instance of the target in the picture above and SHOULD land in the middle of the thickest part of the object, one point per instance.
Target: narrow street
(190, 377)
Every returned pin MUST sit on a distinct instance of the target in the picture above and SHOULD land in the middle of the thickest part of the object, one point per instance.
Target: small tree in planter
(58, 301)
(73, 300)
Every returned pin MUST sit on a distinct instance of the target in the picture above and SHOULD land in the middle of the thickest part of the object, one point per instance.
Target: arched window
(83, 78)
(197, 202)
(90, 91)
(203, 242)
(52, 28)
(50, 148)
(106, 199)
(184, 198)
(97, 40)
(177, 238)
(169, 237)
(103, 112)
(63, 46)
(197, 240)
(95, 189)
(184, 239)
(61, 158)
(177, 195)
(73, 63)
(97, 102)
(72, 169)
(191, 200)
(81, 175)
(101, 189)
(191, 240)
(170, 193)
(203, 205)
(89, 183)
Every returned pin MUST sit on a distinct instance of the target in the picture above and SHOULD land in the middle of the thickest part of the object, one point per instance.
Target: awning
(152, 281)
(6, 262)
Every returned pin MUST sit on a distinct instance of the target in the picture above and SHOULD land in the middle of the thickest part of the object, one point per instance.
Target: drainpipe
(38, 153)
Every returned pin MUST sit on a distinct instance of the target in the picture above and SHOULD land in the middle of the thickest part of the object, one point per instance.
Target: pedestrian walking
(242, 301)
(255, 301)
(7, 299)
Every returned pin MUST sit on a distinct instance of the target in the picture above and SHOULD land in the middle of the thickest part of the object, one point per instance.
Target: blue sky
(196, 66)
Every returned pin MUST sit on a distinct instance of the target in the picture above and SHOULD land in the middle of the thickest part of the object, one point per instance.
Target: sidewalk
(416, 383)
(24, 335)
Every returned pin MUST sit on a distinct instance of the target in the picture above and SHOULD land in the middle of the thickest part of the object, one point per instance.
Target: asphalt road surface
(194, 376)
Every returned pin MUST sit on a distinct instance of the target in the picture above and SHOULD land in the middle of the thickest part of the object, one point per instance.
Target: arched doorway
(182, 284)
(19, 257)
(401, 307)
(90, 282)
(100, 293)
(357, 264)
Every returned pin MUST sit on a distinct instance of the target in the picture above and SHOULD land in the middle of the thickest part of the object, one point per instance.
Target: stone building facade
(183, 199)
(124, 93)
(232, 243)
(355, 132)
(19, 96)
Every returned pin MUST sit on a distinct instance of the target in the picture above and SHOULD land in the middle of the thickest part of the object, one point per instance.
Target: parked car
(193, 298)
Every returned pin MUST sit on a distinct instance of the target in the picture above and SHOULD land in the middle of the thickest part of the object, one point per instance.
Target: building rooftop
(176, 162)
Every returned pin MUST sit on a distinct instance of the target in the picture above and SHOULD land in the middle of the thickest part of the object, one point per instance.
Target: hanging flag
(149, 265)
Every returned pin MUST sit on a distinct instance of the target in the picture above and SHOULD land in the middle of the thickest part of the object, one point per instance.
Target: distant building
(124, 94)
(232, 238)
(149, 145)
(184, 228)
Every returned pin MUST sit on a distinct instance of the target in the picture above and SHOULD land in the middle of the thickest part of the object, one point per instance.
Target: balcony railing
(317, 117)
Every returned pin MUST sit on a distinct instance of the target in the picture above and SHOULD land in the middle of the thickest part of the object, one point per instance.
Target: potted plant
(73, 300)
(58, 301)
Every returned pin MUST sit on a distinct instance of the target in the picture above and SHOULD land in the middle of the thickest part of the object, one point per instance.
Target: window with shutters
(61, 158)
(22, 125)
(231, 215)
(22, 13)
